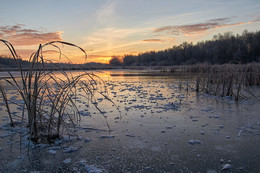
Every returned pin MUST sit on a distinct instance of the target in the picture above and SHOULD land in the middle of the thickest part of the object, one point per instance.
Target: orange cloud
(153, 40)
(20, 36)
(256, 20)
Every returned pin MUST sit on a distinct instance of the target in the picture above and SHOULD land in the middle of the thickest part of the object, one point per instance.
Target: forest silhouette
(221, 49)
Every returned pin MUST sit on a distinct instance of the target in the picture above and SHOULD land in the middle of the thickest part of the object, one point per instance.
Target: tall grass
(225, 80)
(48, 99)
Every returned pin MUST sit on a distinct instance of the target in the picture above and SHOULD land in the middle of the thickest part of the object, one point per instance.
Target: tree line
(10, 62)
(221, 49)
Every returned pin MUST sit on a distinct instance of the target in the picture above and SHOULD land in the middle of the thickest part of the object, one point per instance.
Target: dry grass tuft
(48, 99)
(225, 80)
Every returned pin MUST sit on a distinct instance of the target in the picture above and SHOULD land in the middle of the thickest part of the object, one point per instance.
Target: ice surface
(226, 166)
(94, 169)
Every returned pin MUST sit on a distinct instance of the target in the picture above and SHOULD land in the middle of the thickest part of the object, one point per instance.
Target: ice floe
(192, 142)
(94, 169)
(70, 150)
(52, 151)
(84, 113)
(226, 166)
(87, 140)
(67, 161)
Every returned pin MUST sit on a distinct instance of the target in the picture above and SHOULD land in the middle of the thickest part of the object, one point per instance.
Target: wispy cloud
(191, 29)
(220, 19)
(256, 20)
(106, 14)
(199, 28)
(153, 40)
(20, 36)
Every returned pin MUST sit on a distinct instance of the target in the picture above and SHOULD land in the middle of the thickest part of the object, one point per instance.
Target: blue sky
(116, 27)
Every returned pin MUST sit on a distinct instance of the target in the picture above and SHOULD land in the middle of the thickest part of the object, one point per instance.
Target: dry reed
(225, 80)
(48, 99)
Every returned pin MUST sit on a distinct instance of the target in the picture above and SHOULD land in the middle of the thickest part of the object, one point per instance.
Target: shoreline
(175, 68)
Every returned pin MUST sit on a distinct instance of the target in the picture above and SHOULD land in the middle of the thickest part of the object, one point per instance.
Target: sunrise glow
(109, 28)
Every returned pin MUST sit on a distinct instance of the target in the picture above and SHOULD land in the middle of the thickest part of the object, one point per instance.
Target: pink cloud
(199, 27)
(20, 36)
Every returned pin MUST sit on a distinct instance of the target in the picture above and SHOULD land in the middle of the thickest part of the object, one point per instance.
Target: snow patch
(226, 167)
(192, 142)
(66, 161)
(94, 169)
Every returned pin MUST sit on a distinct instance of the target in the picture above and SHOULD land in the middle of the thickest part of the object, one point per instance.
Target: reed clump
(225, 80)
(48, 100)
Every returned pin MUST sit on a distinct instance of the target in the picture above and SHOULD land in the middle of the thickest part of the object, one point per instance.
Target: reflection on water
(156, 127)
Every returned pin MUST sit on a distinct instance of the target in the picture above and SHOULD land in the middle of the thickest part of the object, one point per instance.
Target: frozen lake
(156, 127)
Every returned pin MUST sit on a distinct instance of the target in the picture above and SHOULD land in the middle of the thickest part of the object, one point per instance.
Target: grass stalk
(47, 98)
(7, 105)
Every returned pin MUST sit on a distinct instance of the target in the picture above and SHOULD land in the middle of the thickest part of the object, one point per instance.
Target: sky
(106, 28)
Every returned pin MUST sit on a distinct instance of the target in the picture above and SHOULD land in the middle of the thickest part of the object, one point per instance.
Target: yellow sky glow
(117, 28)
